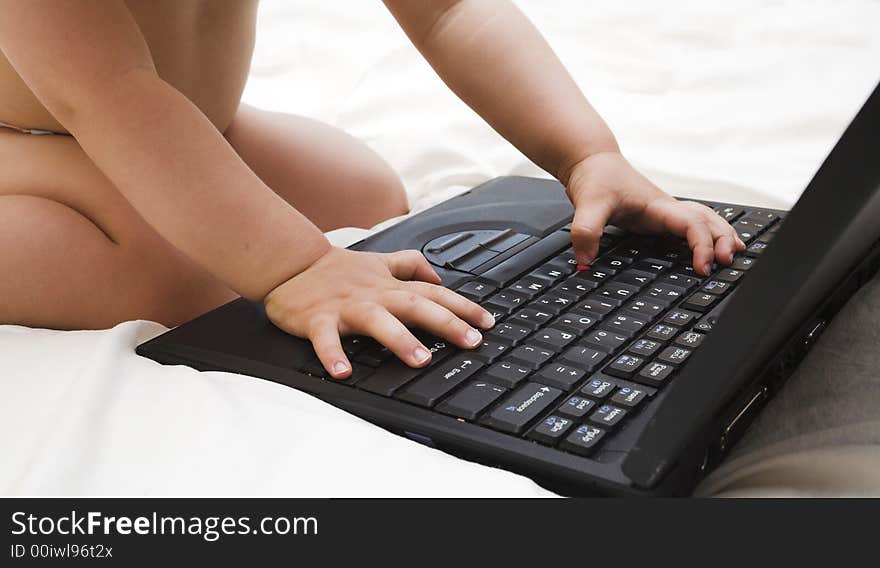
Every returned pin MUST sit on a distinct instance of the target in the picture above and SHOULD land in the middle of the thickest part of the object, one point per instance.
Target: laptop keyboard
(574, 353)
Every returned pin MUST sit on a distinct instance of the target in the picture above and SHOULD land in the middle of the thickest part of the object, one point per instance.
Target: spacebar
(527, 259)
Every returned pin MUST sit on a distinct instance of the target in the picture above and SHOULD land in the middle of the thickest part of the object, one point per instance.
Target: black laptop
(634, 377)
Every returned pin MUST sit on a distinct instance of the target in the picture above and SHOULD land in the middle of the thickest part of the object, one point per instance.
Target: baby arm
(88, 63)
(495, 60)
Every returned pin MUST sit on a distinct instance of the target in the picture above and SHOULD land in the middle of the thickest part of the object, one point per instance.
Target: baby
(134, 184)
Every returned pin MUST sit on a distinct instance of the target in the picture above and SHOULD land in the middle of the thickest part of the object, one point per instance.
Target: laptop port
(741, 420)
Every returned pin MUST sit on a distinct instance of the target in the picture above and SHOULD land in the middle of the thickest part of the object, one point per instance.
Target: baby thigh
(76, 255)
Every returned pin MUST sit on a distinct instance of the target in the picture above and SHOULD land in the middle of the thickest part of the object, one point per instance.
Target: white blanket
(724, 100)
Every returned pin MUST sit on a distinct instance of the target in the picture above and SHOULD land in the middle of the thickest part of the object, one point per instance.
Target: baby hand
(373, 294)
(605, 188)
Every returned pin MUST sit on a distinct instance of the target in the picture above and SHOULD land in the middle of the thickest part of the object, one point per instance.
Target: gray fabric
(820, 435)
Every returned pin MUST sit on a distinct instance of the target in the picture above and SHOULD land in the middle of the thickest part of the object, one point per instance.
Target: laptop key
(607, 415)
(488, 351)
(625, 366)
(654, 374)
(664, 293)
(574, 287)
(507, 373)
(680, 280)
(519, 408)
(635, 278)
(674, 355)
(553, 303)
(550, 430)
(508, 300)
(574, 322)
(530, 318)
(628, 397)
(662, 332)
(742, 263)
(718, 287)
(729, 275)
(576, 407)
(550, 273)
(604, 340)
(690, 339)
(595, 307)
(599, 387)
(757, 248)
(530, 355)
(471, 400)
(560, 376)
(644, 347)
(436, 383)
(625, 324)
(583, 357)
(644, 308)
(729, 214)
(583, 440)
(553, 339)
(476, 290)
(700, 302)
(680, 318)
(509, 333)
(529, 286)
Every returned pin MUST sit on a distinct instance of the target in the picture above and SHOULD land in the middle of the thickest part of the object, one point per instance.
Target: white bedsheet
(724, 100)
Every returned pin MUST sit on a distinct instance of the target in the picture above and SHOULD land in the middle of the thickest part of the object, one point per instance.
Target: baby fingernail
(472, 337)
(488, 321)
(420, 354)
(339, 368)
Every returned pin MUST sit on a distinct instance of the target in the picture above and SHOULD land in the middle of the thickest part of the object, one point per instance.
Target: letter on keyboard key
(583, 440)
(471, 400)
(550, 430)
(428, 389)
(522, 406)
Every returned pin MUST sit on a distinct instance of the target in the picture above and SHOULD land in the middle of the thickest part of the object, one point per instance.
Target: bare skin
(169, 198)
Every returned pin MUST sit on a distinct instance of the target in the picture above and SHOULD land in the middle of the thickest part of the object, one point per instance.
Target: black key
(508, 333)
(476, 290)
(664, 293)
(762, 215)
(576, 407)
(680, 318)
(553, 339)
(577, 323)
(530, 318)
(654, 374)
(373, 356)
(655, 266)
(394, 375)
(757, 248)
(550, 430)
(530, 355)
(635, 278)
(747, 230)
(645, 347)
(700, 302)
(314, 367)
(674, 355)
(599, 387)
(680, 280)
(583, 440)
(575, 287)
(607, 415)
(503, 240)
(507, 373)
(662, 332)
(595, 306)
(742, 263)
(436, 383)
(530, 286)
(505, 271)
(564, 262)
(471, 259)
(583, 357)
(718, 287)
(549, 272)
(611, 262)
(690, 339)
(644, 308)
(729, 275)
(766, 237)
(554, 303)
(615, 291)
(358, 373)
(729, 214)
(522, 406)
(560, 376)
(625, 366)
(497, 312)
(604, 340)
(597, 277)
(471, 400)
(508, 300)
(488, 351)
(628, 397)
(624, 324)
